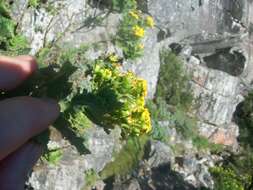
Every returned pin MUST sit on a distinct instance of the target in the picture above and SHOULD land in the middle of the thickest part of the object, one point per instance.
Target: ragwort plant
(131, 32)
(106, 94)
(120, 96)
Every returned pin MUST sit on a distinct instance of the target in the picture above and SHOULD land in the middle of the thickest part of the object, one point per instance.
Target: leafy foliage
(90, 179)
(172, 104)
(38, 3)
(18, 44)
(241, 163)
(184, 124)
(34, 3)
(53, 157)
(244, 118)
(10, 41)
(4, 9)
(174, 96)
(159, 112)
(131, 32)
(203, 143)
(173, 84)
(123, 5)
(79, 121)
(126, 159)
(227, 179)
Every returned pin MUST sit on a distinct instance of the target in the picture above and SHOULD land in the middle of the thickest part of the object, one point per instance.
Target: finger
(15, 168)
(22, 118)
(13, 71)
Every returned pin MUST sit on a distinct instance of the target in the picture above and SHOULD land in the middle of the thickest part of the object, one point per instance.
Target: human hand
(21, 118)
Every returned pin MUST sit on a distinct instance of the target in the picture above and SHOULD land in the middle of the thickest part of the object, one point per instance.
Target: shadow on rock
(163, 177)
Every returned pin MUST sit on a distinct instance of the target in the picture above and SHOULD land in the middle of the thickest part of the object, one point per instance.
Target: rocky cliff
(213, 37)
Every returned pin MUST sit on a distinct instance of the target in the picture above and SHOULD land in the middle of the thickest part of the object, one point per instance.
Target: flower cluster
(131, 32)
(138, 31)
(150, 21)
(124, 94)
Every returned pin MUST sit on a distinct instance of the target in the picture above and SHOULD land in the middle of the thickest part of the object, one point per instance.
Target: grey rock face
(226, 60)
(195, 171)
(69, 173)
(217, 94)
(217, 33)
(162, 169)
(187, 18)
(160, 154)
(148, 66)
(178, 15)
(131, 185)
(102, 147)
(70, 22)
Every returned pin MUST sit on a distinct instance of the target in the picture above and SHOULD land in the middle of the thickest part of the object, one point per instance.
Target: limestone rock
(69, 173)
(70, 23)
(160, 154)
(195, 170)
(189, 18)
(217, 94)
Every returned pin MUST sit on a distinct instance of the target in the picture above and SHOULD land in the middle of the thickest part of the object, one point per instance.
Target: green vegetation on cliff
(236, 171)
(11, 42)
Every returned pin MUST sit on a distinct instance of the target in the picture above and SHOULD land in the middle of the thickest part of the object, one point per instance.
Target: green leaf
(7, 27)
(4, 9)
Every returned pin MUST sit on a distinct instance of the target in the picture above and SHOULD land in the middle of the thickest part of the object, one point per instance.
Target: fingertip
(29, 65)
(14, 70)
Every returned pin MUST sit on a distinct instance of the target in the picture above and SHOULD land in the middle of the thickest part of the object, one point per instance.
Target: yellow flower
(130, 120)
(113, 58)
(143, 84)
(134, 14)
(150, 21)
(146, 117)
(141, 101)
(140, 46)
(130, 75)
(138, 31)
(106, 73)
